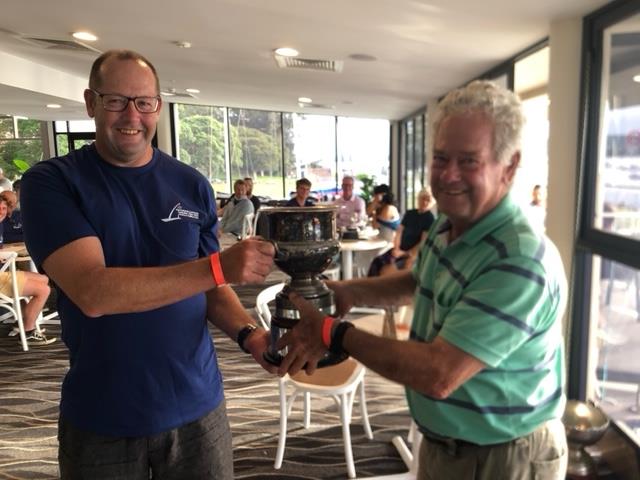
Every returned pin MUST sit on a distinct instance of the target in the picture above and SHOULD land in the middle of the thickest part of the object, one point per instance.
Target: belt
(451, 445)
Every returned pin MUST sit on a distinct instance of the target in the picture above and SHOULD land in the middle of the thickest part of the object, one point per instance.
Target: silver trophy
(306, 242)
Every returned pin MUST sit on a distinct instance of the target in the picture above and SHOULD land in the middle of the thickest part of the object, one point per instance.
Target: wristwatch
(243, 334)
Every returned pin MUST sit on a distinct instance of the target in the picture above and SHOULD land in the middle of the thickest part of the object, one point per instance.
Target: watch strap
(243, 334)
(338, 337)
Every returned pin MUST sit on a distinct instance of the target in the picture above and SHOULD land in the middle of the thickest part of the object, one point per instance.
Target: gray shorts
(200, 449)
(541, 455)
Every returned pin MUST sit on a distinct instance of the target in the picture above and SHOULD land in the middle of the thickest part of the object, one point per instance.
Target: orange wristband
(327, 324)
(216, 269)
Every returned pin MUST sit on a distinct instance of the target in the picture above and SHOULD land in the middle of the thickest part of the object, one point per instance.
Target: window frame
(591, 240)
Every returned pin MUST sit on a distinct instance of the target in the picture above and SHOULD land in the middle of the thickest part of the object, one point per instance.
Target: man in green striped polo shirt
(484, 367)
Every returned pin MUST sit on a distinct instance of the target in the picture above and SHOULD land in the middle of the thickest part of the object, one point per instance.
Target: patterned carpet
(30, 392)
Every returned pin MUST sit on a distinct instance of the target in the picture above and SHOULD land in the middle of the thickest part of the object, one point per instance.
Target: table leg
(347, 264)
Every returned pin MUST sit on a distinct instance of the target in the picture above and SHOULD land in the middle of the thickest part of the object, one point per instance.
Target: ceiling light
(304, 100)
(287, 52)
(636, 78)
(53, 105)
(182, 44)
(85, 36)
(192, 90)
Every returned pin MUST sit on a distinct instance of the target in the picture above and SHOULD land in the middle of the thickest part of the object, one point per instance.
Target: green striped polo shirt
(498, 293)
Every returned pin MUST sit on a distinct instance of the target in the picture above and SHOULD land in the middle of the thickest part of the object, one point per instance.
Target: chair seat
(329, 376)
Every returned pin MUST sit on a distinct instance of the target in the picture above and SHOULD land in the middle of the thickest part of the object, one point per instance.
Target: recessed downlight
(53, 105)
(636, 78)
(192, 90)
(287, 52)
(304, 100)
(84, 36)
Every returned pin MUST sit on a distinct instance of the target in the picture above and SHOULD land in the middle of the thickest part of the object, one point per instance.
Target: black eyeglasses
(118, 103)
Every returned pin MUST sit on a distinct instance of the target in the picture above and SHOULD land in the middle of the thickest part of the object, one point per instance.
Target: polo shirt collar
(502, 213)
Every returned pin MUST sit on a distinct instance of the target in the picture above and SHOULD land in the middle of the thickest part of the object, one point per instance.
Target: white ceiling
(422, 49)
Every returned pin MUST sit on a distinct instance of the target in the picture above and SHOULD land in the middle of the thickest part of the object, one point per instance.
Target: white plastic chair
(12, 303)
(337, 381)
(247, 226)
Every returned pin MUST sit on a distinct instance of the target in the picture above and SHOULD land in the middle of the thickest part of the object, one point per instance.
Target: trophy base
(326, 361)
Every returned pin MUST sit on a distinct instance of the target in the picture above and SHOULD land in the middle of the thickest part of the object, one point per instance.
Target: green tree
(202, 144)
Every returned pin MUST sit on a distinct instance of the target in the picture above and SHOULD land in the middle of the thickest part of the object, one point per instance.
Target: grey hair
(502, 106)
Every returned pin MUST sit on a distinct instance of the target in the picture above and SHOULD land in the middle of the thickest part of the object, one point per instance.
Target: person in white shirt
(5, 183)
(351, 208)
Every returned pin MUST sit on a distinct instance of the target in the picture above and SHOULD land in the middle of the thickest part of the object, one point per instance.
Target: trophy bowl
(584, 424)
(305, 241)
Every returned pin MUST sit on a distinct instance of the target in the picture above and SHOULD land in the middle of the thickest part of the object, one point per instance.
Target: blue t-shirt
(132, 374)
(293, 202)
(12, 228)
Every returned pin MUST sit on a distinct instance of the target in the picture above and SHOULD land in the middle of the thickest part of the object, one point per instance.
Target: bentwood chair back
(340, 382)
(12, 302)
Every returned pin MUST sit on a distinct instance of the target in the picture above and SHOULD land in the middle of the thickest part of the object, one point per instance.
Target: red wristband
(327, 325)
(216, 269)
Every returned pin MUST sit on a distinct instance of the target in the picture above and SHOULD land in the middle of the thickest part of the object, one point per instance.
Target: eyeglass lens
(118, 103)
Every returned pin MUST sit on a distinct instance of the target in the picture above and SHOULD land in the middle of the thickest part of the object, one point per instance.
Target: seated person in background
(12, 223)
(351, 208)
(30, 284)
(386, 217)
(303, 187)
(537, 210)
(248, 181)
(378, 192)
(5, 183)
(409, 236)
(237, 208)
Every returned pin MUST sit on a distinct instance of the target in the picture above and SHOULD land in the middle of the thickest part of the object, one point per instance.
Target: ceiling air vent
(316, 105)
(59, 44)
(173, 92)
(309, 64)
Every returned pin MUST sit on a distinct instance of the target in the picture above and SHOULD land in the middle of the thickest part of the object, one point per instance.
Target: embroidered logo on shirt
(178, 213)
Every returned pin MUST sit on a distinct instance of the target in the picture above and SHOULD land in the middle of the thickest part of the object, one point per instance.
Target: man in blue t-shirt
(128, 235)
(303, 188)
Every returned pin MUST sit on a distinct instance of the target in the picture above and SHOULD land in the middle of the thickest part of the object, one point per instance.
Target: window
(276, 149)
(201, 142)
(21, 144)
(413, 160)
(310, 152)
(363, 148)
(606, 324)
(72, 135)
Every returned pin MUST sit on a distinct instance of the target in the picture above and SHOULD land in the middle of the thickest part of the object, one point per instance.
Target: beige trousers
(541, 455)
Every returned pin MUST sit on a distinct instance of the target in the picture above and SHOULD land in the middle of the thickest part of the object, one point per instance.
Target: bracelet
(338, 337)
(327, 324)
(243, 334)
(216, 269)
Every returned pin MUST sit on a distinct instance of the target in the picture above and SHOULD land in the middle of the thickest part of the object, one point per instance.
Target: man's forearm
(388, 290)
(111, 290)
(225, 311)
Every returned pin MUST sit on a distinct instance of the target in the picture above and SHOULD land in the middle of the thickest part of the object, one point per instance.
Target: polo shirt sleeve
(51, 217)
(498, 311)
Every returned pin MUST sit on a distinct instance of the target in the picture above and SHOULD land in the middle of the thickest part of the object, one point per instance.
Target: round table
(347, 247)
